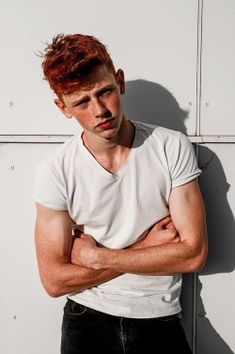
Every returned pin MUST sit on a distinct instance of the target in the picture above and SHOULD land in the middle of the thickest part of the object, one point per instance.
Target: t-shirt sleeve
(182, 161)
(49, 189)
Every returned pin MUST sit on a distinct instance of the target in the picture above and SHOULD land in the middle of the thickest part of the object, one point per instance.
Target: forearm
(157, 260)
(68, 278)
(149, 255)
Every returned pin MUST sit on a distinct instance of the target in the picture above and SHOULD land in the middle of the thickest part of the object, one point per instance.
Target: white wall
(29, 320)
(148, 40)
(177, 76)
(216, 290)
(218, 73)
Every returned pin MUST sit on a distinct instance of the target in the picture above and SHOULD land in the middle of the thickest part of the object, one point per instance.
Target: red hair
(69, 59)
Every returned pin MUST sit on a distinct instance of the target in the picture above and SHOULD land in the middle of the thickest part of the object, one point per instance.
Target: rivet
(14, 317)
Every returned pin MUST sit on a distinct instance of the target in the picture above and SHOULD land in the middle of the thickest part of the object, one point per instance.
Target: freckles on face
(97, 106)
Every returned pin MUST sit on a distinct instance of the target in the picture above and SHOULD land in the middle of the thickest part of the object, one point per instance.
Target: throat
(113, 161)
(112, 156)
(113, 164)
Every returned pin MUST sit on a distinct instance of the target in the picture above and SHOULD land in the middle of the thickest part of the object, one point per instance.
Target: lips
(105, 124)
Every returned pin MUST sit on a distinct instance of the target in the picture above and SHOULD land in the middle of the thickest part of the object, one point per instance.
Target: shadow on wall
(151, 103)
(221, 231)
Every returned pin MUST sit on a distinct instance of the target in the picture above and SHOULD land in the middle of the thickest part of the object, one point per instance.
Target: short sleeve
(182, 161)
(49, 189)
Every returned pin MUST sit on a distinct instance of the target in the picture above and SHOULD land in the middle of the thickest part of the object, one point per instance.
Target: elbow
(53, 292)
(198, 261)
(198, 264)
(52, 288)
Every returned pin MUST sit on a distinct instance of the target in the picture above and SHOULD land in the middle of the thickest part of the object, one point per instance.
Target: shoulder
(51, 176)
(62, 153)
(162, 135)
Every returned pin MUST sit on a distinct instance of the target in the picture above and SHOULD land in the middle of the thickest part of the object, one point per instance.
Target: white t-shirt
(116, 209)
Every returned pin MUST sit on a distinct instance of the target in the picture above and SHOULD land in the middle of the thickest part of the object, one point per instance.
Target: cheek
(81, 114)
(81, 118)
(116, 104)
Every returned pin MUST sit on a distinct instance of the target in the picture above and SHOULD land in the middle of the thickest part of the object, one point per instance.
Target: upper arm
(188, 215)
(53, 239)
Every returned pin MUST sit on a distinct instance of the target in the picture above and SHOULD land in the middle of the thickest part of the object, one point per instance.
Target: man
(131, 190)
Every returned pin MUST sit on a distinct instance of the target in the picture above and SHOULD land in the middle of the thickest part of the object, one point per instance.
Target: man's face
(97, 105)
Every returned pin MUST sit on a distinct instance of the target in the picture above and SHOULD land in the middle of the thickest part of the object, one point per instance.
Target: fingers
(171, 236)
(165, 223)
(176, 239)
(86, 237)
(79, 234)
(171, 226)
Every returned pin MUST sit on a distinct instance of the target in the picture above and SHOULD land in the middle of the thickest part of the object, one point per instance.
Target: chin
(109, 133)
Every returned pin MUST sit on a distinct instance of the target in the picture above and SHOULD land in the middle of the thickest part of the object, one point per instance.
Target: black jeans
(86, 331)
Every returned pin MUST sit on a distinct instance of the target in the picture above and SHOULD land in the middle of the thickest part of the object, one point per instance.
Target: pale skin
(175, 245)
(186, 255)
(61, 275)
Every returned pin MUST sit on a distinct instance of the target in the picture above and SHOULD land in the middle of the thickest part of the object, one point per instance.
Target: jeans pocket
(73, 309)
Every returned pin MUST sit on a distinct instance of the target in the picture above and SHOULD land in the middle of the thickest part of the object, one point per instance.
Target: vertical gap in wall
(194, 324)
(198, 132)
(199, 66)
(195, 296)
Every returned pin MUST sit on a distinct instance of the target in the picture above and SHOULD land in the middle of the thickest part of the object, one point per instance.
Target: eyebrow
(99, 91)
(79, 101)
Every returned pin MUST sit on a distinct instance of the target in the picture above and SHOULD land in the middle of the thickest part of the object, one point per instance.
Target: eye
(81, 103)
(106, 92)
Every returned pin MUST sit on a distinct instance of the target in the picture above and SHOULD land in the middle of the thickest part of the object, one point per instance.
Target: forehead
(99, 78)
(100, 74)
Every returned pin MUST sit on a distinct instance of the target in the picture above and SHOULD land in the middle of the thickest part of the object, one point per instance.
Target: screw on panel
(10, 103)
(12, 167)
(207, 104)
(190, 103)
(14, 317)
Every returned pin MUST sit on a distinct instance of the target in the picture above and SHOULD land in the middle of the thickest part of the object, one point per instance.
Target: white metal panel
(218, 70)
(153, 41)
(187, 303)
(30, 320)
(216, 288)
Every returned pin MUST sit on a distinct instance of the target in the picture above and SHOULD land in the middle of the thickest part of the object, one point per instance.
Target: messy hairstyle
(69, 59)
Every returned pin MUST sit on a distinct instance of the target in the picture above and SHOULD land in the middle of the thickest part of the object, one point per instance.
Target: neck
(112, 153)
(121, 141)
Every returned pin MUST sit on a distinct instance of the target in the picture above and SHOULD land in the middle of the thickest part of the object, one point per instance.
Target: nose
(99, 108)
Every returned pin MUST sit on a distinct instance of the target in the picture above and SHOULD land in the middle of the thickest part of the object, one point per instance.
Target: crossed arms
(179, 247)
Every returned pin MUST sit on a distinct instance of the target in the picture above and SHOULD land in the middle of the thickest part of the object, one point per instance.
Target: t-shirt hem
(49, 205)
(172, 310)
(187, 179)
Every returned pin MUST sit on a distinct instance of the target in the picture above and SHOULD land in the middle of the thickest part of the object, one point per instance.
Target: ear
(60, 104)
(121, 81)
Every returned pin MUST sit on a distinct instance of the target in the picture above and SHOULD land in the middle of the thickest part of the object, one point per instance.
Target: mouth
(105, 124)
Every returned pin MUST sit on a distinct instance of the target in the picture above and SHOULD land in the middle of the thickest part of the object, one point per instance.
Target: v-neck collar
(100, 167)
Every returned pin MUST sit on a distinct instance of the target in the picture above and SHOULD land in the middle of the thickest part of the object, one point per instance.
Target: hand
(82, 250)
(162, 232)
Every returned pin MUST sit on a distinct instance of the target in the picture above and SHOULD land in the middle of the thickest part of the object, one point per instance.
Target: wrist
(95, 258)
